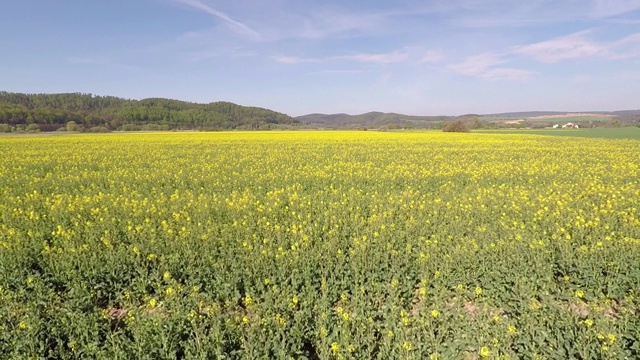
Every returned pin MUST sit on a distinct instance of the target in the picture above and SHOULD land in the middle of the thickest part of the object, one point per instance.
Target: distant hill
(49, 112)
(524, 114)
(590, 118)
(370, 119)
(528, 114)
(526, 118)
(52, 111)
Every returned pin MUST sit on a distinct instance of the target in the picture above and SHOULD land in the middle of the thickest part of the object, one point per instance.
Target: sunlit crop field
(329, 245)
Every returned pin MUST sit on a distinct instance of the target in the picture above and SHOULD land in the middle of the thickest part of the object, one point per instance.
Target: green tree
(33, 128)
(455, 126)
(89, 111)
(72, 126)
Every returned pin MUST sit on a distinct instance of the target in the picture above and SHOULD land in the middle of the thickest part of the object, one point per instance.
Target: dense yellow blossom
(329, 244)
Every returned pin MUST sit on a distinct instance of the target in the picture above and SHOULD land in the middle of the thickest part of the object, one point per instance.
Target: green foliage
(98, 129)
(88, 111)
(5, 128)
(130, 127)
(32, 128)
(476, 123)
(72, 126)
(325, 245)
(154, 127)
(607, 133)
(370, 120)
(613, 123)
(455, 126)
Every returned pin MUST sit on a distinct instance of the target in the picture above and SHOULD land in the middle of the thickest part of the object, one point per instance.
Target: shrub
(33, 128)
(72, 126)
(151, 127)
(5, 128)
(130, 127)
(99, 129)
(455, 126)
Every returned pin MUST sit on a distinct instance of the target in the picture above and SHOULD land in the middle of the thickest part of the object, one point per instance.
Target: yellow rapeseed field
(326, 245)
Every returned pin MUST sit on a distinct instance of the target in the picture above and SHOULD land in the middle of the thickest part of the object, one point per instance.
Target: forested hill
(52, 111)
(371, 119)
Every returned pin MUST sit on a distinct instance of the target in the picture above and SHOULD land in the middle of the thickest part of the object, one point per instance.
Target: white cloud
(382, 58)
(631, 39)
(476, 64)
(236, 52)
(483, 66)
(98, 60)
(293, 59)
(433, 56)
(519, 14)
(326, 23)
(386, 58)
(234, 24)
(607, 8)
(561, 48)
(622, 21)
(506, 74)
(342, 71)
(88, 60)
(573, 46)
(577, 45)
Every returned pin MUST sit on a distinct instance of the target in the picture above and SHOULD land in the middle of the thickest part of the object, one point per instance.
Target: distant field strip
(326, 245)
(560, 119)
(605, 133)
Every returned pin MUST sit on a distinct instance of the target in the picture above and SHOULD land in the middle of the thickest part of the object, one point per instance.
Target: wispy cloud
(321, 22)
(342, 71)
(561, 48)
(484, 66)
(607, 8)
(622, 21)
(578, 45)
(330, 22)
(433, 56)
(476, 64)
(234, 24)
(98, 60)
(276, 21)
(382, 58)
(388, 58)
(510, 74)
(293, 59)
(508, 13)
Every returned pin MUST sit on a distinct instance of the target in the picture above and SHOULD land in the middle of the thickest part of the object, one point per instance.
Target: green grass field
(606, 133)
(561, 120)
(574, 119)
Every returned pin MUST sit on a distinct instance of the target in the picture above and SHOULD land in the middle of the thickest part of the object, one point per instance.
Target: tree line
(50, 112)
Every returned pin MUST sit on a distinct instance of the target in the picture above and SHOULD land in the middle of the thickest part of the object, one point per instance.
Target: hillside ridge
(52, 111)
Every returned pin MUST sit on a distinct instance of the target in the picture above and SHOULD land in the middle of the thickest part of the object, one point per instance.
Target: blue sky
(427, 57)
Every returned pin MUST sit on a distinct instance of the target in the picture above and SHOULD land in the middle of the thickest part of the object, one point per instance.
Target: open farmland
(555, 119)
(329, 245)
(607, 133)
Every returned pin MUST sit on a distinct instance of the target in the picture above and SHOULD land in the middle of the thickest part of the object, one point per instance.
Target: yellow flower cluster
(384, 244)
